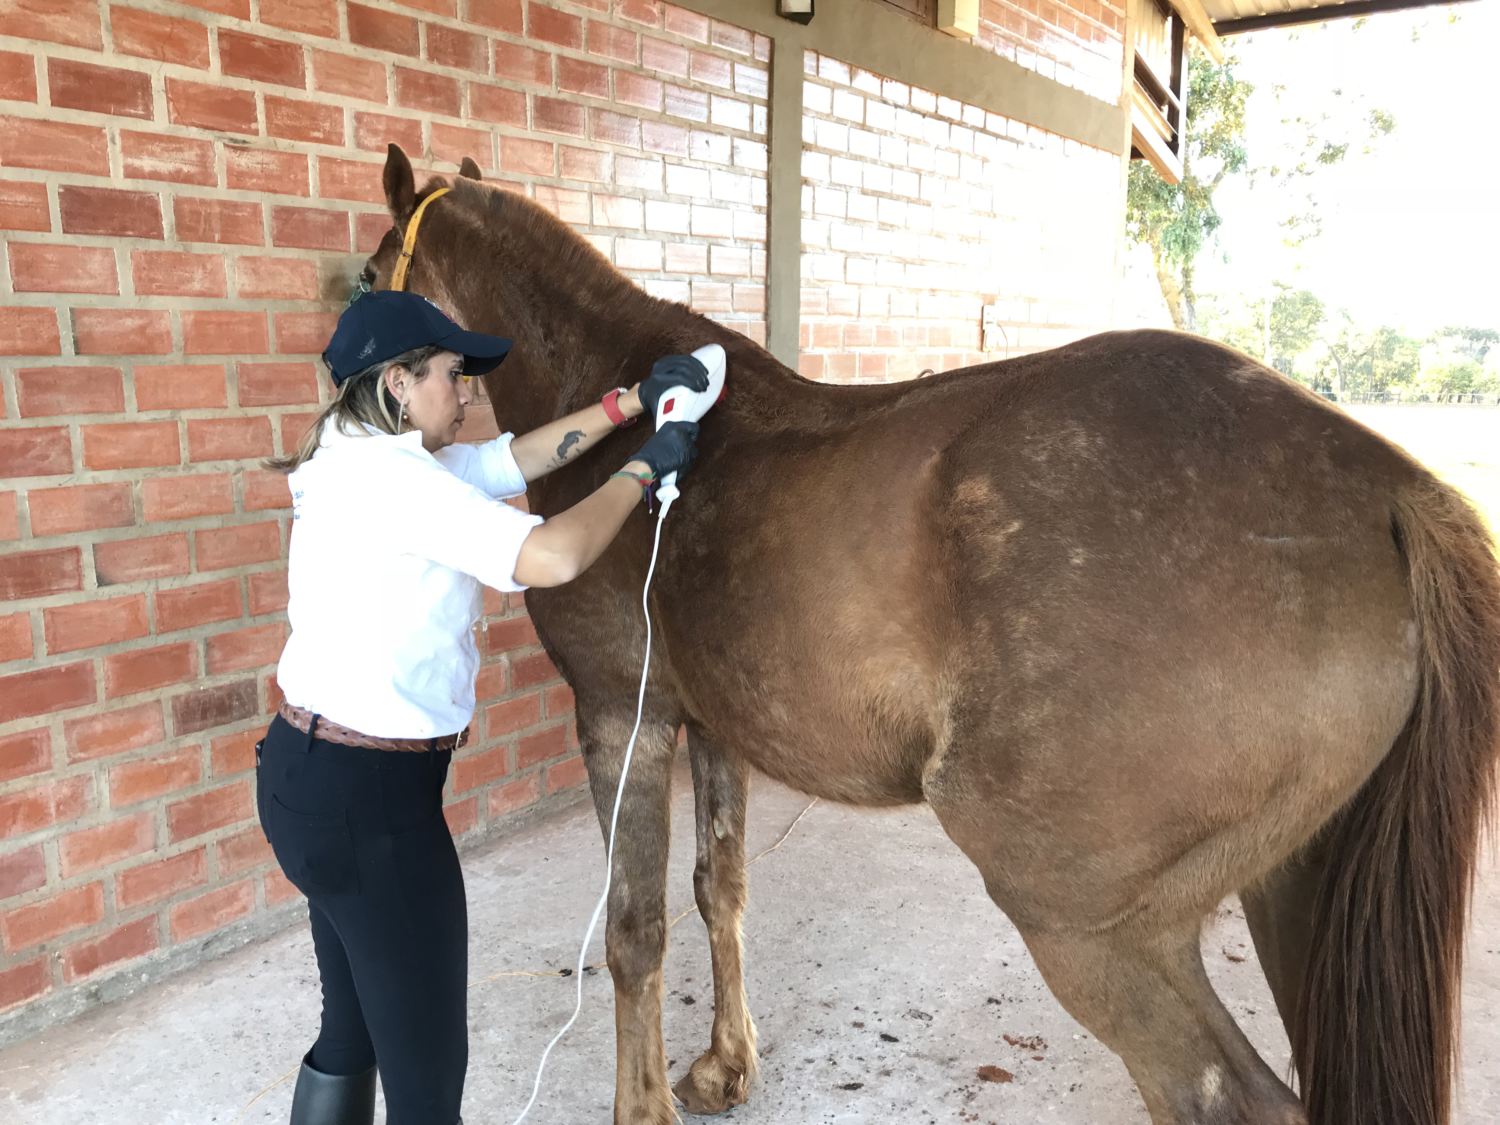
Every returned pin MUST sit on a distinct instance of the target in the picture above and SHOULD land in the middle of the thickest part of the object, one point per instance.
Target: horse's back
(1161, 450)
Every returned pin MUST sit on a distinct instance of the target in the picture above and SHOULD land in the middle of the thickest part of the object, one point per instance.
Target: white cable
(609, 862)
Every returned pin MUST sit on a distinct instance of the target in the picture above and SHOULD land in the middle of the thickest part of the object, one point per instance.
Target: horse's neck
(573, 346)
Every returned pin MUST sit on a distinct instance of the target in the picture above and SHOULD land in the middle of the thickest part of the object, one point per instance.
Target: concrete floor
(881, 978)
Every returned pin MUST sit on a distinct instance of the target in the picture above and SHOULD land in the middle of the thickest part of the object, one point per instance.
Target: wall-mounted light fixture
(799, 10)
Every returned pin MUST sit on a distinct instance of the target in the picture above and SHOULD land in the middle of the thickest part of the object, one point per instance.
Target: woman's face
(435, 401)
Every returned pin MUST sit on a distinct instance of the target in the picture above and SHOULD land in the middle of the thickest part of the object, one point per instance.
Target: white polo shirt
(389, 546)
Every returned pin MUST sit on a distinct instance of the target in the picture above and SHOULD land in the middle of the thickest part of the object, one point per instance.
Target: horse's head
(483, 236)
(437, 239)
(461, 258)
(500, 263)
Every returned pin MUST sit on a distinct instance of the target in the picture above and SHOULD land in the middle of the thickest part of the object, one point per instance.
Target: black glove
(672, 449)
(668, 372)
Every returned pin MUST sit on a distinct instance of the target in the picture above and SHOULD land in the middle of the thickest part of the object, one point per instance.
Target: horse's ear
(400, 184)
(469, 170)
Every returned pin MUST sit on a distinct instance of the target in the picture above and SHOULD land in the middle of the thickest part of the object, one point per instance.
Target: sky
(1411, 230)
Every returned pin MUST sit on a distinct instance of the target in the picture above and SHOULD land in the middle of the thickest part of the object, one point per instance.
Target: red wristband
(611, 404)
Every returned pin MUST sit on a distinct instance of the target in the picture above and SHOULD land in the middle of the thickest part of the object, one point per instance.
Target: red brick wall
(1080, 43)
(918, 209)
(185, 195)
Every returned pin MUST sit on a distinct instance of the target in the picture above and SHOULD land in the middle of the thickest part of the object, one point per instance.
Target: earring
(401, 419)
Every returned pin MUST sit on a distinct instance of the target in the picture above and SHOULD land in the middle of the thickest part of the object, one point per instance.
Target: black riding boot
(333, 1099)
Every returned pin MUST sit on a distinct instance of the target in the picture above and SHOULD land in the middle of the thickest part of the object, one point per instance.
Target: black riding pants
(361, 833)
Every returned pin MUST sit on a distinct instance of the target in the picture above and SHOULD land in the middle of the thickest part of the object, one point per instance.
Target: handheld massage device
(682, 405)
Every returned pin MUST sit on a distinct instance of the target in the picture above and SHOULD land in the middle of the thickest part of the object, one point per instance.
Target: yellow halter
(398, 279)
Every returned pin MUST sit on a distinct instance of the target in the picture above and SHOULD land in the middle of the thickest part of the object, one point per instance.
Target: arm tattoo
(566, 448)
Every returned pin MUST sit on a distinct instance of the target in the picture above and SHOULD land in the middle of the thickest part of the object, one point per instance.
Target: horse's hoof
(711, 1086)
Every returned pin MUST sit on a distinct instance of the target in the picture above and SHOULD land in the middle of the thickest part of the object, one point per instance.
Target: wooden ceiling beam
(1195, 17)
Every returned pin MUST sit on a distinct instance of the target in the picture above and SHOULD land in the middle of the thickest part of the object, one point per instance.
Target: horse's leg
(1144, 993)
(721, 1077)
(1136, 981)
(636, 934)
(1279, 909)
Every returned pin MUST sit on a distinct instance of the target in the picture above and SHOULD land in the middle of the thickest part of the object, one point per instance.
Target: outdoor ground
(882, 979)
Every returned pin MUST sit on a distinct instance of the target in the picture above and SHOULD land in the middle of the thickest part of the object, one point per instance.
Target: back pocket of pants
(315, 852)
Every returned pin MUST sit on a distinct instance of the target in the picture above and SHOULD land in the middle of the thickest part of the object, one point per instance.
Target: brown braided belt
(328, 731)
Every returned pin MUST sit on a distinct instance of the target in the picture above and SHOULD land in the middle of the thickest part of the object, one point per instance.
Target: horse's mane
(560, 258)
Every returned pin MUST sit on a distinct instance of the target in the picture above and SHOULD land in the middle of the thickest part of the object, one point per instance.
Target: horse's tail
(1376, 1039)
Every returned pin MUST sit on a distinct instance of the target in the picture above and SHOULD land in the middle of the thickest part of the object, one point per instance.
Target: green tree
(1236, 320)
(1372, 362)
(1345, 352)
(1473, 343)
(1296, 317)
(1394, 361)
(1463, 378)
(1174, 220)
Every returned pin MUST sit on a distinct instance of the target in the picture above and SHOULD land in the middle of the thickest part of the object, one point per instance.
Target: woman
(394, 530)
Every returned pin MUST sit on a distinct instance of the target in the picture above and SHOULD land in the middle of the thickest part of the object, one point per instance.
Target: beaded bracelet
(646, 480)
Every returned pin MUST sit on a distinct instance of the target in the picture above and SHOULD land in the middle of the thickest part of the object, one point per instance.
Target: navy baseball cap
(384, 324)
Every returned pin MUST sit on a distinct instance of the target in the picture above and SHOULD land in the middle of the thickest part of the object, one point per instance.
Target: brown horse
(1144, 622)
